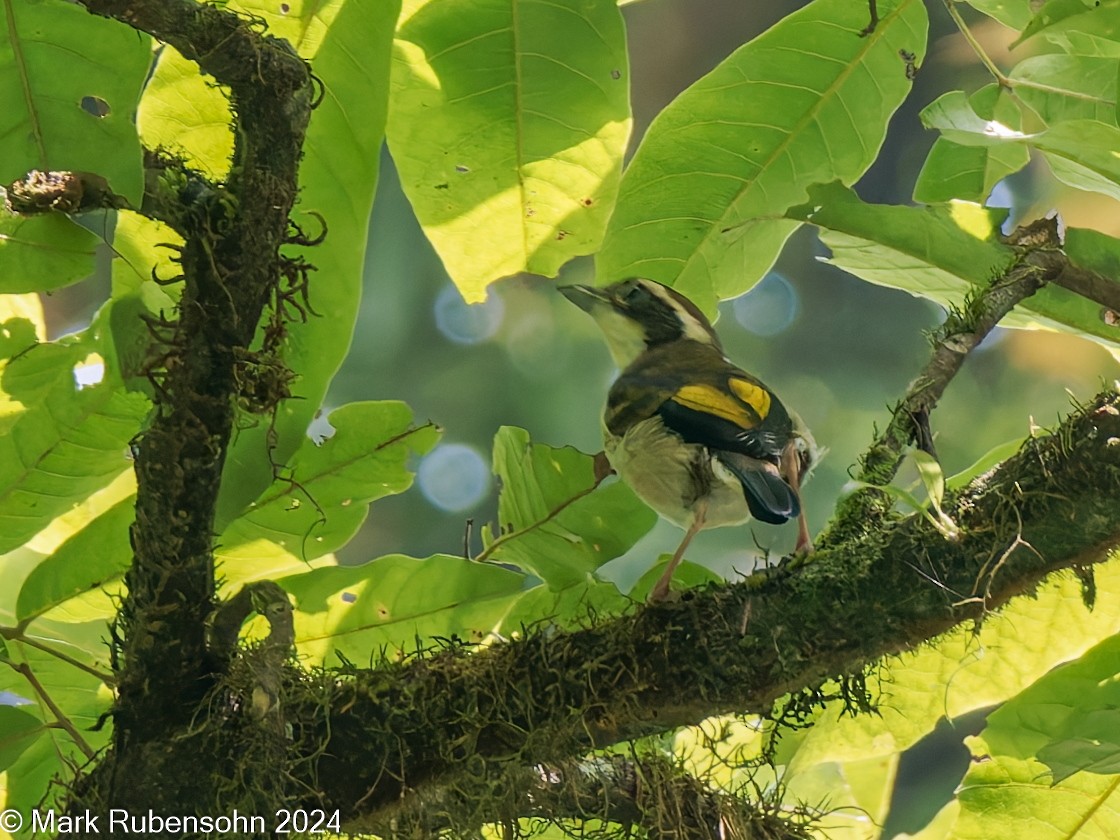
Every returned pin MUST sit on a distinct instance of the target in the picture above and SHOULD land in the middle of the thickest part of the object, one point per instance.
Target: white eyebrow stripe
(691, 327)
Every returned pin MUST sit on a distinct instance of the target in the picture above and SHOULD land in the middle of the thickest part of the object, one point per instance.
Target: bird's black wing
(715, 404)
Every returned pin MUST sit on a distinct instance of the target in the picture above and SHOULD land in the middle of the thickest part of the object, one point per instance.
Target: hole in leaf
(89, 371)
(95, 105)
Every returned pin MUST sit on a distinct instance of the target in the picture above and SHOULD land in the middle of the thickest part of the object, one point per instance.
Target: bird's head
(638, 314)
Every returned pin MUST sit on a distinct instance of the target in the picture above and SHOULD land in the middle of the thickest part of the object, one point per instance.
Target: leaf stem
(985, 59)
(552, 514)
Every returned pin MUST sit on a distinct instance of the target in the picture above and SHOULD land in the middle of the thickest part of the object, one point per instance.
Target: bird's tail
(769, 498)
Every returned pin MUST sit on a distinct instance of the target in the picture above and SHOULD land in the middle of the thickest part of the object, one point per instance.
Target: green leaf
(1082, 153)
(508, 122)
(1004, 796)
(1095, 251)
(1067, 16)
(73, 80)
(996, 455)
(1068, 719)
(187, 113)
(1067, 87)
(323, 496)
(687, 575)
(953, 115)
(553, 519)
(91, 559)
(28, 309)
(61, 443)
(349, 44)
(940, 253)
(936, 252)
(933, 480)
(808, 101)
(395, 604)
(1076, 42)
(568, 606)
(968, 173)
(18, 731)
(1013, 13)
(43, 253)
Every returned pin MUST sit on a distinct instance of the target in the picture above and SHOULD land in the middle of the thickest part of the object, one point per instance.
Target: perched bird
(701, 441)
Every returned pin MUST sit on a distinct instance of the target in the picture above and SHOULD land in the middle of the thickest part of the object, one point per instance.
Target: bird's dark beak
(586, 298)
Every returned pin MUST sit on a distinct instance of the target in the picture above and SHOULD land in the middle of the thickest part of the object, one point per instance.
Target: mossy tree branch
(650, 793)
(231, 266)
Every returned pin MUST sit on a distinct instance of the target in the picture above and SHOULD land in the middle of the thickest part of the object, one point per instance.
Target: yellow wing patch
(713, 401)
(753, 395)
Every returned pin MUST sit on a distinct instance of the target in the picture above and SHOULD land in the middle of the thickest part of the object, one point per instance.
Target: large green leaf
(808, 101)
(70, 85)
(968, 669)
(968, 173)
(395, 604)
(553, 520)
(941, 253)
(316, 507)
(1068, 719)
(43, 253)
(60, 442)
(321, 499)
(349, 44)
(508, 121)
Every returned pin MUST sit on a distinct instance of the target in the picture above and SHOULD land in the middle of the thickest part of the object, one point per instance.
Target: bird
(697, 438)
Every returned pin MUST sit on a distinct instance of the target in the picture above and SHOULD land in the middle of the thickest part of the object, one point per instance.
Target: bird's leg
(791, 472)
(661, 591)
(601, 467)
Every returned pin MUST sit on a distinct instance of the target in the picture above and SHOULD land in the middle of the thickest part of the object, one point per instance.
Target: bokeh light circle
(769, 308)
(466, 323)
(454, 477)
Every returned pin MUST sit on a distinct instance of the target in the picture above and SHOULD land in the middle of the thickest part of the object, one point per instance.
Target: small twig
(873, 18)
(61, 720)
(1038, 263)
(17, 636)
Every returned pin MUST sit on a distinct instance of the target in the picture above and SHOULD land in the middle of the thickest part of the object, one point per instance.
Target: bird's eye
(635, 294)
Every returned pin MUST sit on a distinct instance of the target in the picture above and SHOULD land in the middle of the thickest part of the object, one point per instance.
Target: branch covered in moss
(554, 695)
(231, 269)
(650, 793)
